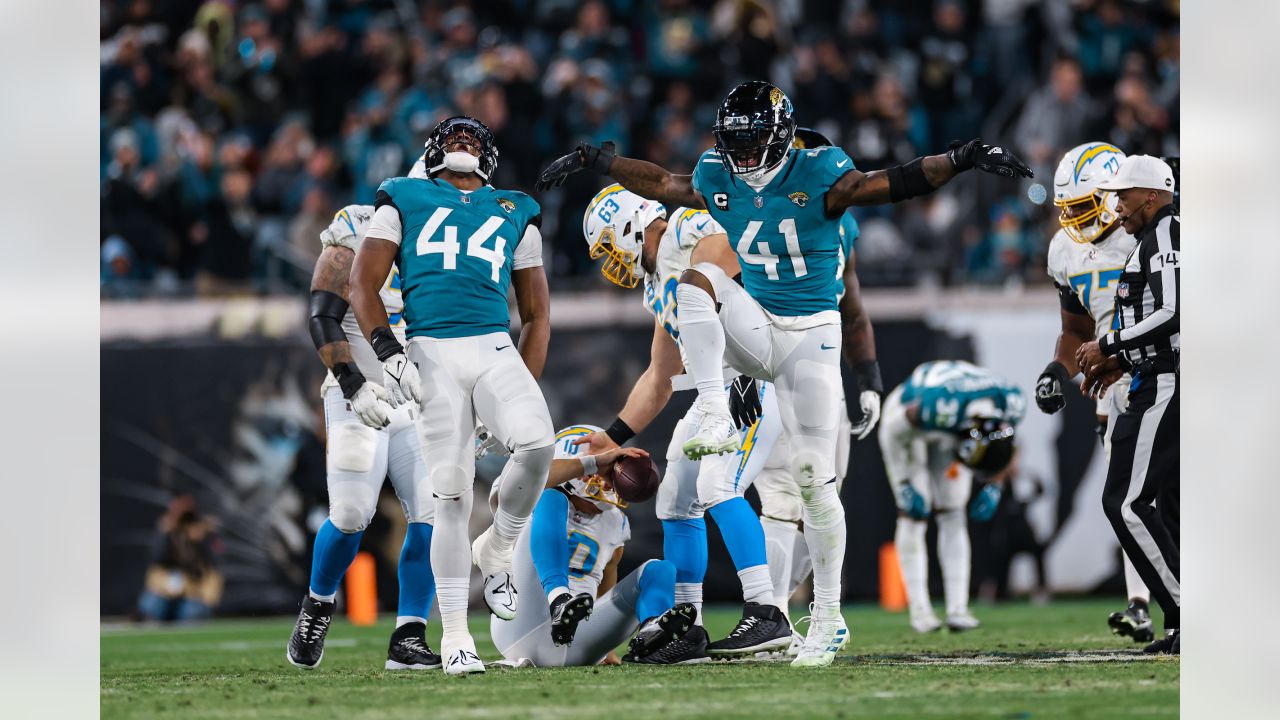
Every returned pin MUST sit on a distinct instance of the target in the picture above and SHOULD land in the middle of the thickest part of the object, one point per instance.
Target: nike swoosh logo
(704, 224)
(841, 163)
(824, 346)
(504, 347)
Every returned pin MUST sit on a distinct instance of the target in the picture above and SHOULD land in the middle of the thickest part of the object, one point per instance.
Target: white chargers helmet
(614, 226)
(1087, 212)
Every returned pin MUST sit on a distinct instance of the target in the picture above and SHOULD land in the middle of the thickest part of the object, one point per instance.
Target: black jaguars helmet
(754, 128)
(986, 445)
(477, 134)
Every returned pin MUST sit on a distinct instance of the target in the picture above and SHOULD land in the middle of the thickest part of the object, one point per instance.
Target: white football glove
(486, 443)
(401, 380)
(869, 401)
(371, 406)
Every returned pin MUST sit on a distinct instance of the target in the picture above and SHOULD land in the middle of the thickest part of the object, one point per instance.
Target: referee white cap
(1140, 171)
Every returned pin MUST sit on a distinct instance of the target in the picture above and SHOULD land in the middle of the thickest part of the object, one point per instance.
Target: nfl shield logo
(759, 201)
(1122, 290)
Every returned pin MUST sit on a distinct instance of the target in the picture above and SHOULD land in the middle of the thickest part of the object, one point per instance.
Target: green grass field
(1055, 661)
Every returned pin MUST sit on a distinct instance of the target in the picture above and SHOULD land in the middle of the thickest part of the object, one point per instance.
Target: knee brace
(822, 506)
(450, 482)
(353, 447)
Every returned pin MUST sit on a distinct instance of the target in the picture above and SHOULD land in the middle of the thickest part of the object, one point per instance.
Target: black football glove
(987, 158)
(1049, 396)
(583, 157)
(744, 402)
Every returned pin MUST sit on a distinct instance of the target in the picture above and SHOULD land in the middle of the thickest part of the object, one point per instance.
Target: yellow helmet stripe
(1092, 153)
(611, 190)
(574, 431)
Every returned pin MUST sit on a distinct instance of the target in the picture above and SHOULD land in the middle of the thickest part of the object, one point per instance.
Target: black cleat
(1134, 622)
(566, 612)
(661, 630)
(689, 648)
(306, 646)
(409, 649)
(763, 628)
(1166, 645)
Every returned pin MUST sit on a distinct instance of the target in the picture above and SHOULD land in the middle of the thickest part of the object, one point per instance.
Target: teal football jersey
(848, 235)
(788, 248)
(951, 392)
(456, 254)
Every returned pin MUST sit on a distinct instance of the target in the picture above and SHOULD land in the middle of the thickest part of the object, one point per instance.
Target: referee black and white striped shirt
(1147, 299)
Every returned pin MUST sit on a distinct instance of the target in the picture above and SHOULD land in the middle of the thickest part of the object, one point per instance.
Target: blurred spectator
(309, 99)
(183, 582)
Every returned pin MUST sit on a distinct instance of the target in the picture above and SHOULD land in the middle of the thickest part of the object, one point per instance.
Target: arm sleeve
(1160, 263)
(529, 252)
(547, 543)
(385, 224)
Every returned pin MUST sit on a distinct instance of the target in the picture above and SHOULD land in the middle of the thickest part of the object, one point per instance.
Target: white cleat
(827, 634)
(460, 656)
(962, 621)
(499, 591)
(925, 622)
(797, 642)
(715, 435)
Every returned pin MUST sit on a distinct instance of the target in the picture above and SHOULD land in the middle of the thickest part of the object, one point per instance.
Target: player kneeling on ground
(949, 419)
(570, 555)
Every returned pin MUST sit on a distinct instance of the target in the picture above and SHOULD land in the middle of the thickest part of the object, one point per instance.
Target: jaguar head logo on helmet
(1087, 212)
(754, 129)
(614, 226)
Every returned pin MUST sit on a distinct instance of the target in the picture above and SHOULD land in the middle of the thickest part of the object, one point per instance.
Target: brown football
(636, 479)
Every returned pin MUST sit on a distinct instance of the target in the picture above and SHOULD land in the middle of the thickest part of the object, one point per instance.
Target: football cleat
(566, 612)
(1134, 622)
(460, 654)
(1166, 645)
(763, 628)
(685, 650)
(306, 646)
(659, 631)
(797, 639)
(925, 623)
(715, 435)
(962, 621)
(499, 591)
(827, 634)
(409, 650)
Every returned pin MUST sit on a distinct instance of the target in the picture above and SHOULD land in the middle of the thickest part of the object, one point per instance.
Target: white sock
(523, 480)
(506, 528)
(756, 585)
(1133, 584)
(402, 620)
(322, 598)
(954, 557)
(451, 561)
(558, 591)
(702, 337)
(690, 593)
(824, 531)
(801, 564)
(913, 556)
(779, 545)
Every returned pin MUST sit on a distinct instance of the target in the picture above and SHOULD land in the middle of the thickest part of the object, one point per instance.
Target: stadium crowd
(232, 131)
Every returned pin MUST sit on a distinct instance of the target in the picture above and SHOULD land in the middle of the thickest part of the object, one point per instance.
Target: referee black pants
(1141, 494)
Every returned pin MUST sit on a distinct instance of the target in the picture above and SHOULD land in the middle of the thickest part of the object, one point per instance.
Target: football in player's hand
(635, 479)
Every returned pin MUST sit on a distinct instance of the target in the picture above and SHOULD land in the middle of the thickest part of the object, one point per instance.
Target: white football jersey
(685, 229)
(1091, 271)
(593, 539)
(347, 230)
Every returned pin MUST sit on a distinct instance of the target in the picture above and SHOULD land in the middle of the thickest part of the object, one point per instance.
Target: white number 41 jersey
(1090, 271)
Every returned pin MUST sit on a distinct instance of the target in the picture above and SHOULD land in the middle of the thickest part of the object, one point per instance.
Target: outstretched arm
(639, 176)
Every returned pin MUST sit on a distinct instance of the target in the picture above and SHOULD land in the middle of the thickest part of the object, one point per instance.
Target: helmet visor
(745, 149)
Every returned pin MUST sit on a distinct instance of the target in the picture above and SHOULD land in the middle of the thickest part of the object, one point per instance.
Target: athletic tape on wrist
(384, 343)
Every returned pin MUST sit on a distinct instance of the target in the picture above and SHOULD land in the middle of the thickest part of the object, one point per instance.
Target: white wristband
(589, 465)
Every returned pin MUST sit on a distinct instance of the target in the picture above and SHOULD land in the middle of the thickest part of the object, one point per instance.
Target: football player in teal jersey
(948, 420)
(781, 208)
(460, 244)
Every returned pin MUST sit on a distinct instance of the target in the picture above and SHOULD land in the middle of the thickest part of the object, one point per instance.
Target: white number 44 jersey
(1090, 271)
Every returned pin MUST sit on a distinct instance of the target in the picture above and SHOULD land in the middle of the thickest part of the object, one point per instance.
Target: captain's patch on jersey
(800, 198)
(721, 200)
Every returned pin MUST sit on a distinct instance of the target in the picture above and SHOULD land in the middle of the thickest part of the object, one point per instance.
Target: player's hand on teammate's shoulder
(584, 157)
(596, 442)
(370, 403)
(994, 159)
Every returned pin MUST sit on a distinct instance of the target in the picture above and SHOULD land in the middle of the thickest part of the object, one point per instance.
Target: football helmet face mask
(986, 445)
(754, 128)
(614, 225)
(1086, 211)
(597, 490)
(466, 131)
